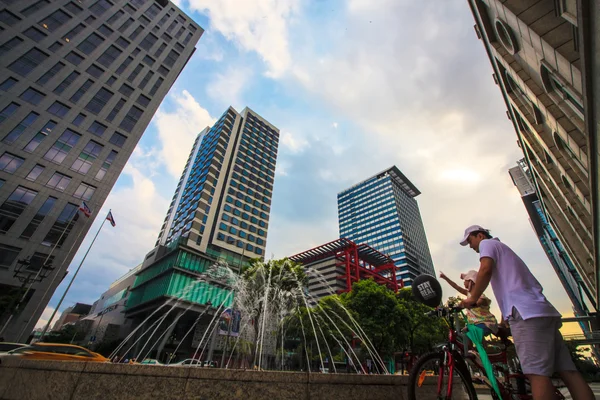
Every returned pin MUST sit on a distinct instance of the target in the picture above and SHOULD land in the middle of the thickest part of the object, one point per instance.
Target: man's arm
(461, 290)
(483, 277)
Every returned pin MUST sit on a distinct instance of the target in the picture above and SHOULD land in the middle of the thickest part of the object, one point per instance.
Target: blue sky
(354, 87)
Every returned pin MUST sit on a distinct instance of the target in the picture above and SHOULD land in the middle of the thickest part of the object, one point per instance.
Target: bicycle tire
(459, 367)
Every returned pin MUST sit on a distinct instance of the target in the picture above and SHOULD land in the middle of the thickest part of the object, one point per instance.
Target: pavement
(481, 395)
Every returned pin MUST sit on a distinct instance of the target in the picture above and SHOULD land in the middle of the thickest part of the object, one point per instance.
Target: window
(18, 130)
(143, 100)
(179, 47)
(62, 227)
(55, 47)
(62, 146)
(105, 30)
(100, 7)
(35, 172)
(73, 8)
(553, 84)
(32, 9)
(8, 18)
(135, 51)
(84, 191)
(28, 61)
(111, 80)
(32, 96)
(171, 58)
(109, 56)
(97, 128)
(8, 255)
(145, 21)
(14, 206)
(55, 20)
(8, 111)
(50, 73)
(148, 60)
(117, 139)
(172, 26)
(10, 163)
(38, 217)
(39, 137)
(35, 34)
(136, 32)
(129, 9)
(167, 38)
(59, 109)
(126, 90)
(152, 11)
(115, 17)
(163, 71)
(90, 20)
(58, 181)
(87, 157)
(106, 165)
(163, 19)
(73, 33)
(7, 84)
(126, 25)
(132, 117)
(187, 38)
(95, 71)
(148, 41)
(144, 81)
(66, 82)
(180, 32)
(99, 101)
(138, 3)
(90, 43)
(124, 43)
(124, 65)
(135, 73)
(160, 50)
(79, 119)
(10, 44)
(111, 116)
(157, 84)
(74, 58)
(82, 90)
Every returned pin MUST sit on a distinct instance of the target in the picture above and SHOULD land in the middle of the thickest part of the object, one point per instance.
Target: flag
(85, 209)
(110, 218)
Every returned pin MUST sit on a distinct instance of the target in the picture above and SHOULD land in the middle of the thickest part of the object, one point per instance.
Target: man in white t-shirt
(534, 322)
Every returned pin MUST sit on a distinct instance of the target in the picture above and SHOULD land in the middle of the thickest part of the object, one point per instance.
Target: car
(151, 361)
(5, 347)
(56, 352)
(189, 362)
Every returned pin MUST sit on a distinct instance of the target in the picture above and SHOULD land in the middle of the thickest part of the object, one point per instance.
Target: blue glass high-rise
(382, 212)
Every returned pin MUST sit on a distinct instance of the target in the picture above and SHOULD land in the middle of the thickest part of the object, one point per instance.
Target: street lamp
(27, 277)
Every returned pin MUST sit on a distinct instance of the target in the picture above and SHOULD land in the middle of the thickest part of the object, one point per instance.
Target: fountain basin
(56, 380)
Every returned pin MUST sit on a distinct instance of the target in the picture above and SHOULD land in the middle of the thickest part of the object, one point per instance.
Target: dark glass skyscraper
(79, 82)
(382, 212)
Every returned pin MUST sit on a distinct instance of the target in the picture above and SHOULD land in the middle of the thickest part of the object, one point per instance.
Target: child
(479, 316)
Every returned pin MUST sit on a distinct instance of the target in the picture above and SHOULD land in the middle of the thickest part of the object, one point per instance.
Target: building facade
(542, 55)
(71, 315)
(80, 82)
(220, 211)
(383, 213)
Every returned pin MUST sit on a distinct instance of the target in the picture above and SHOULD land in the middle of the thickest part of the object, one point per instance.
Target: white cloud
(260, 26)
(335, 125)
(227, 88)
(45, 317)
(294, 143)
(178, 129)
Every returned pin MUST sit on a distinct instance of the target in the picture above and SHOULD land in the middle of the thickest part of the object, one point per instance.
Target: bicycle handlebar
(443, 311)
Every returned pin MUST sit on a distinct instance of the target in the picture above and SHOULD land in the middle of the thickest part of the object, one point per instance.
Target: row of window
(238, 243)
(18, 201)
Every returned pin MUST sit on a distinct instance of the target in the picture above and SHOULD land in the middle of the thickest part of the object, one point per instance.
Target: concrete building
(382, 212)
(333, 267)
(106, 320)
(71, 315)
(220, 211)
(544, 55)
(80, 82)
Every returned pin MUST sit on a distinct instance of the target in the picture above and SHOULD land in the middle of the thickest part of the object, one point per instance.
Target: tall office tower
(220, 211)
(579, 295)
(382, 212)
(80, 82)
(541, 53)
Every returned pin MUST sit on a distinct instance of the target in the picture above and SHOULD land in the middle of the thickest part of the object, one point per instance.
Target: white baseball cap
(471, 229)
(469, 276)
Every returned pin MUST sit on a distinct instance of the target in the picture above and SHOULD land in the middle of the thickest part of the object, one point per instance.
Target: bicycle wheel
(429, 380)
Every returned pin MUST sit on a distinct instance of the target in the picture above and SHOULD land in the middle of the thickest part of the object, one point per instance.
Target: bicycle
(444, 373)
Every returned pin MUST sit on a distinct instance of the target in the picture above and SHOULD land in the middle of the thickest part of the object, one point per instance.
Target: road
(595, 389)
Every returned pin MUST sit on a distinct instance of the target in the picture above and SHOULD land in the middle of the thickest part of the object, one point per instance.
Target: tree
(69, 333)
(422, 332)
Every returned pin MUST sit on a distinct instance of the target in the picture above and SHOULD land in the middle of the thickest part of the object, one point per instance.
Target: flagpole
(70, 283)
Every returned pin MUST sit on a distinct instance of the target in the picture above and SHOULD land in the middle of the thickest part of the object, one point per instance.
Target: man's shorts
(540, 345)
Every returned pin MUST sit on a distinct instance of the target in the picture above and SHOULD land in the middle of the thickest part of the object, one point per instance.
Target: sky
(355, 87)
